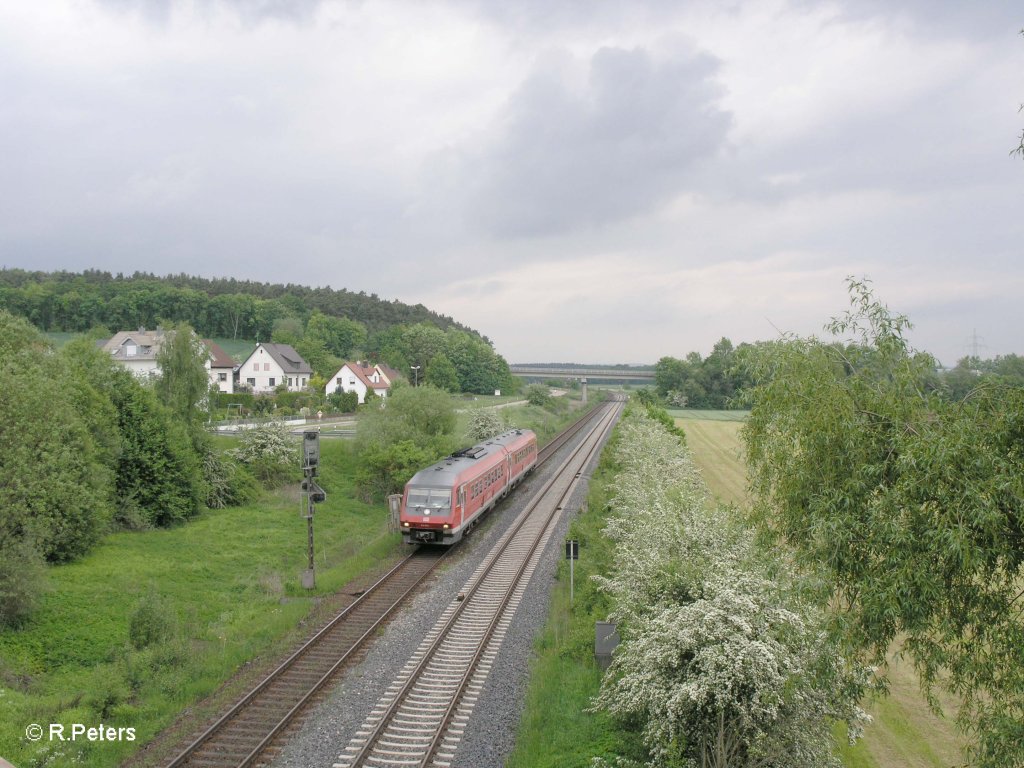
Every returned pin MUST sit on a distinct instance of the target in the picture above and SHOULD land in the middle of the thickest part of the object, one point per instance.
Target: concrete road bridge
(591, 374)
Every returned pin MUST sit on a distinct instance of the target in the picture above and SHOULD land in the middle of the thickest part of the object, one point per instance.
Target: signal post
(314, 495)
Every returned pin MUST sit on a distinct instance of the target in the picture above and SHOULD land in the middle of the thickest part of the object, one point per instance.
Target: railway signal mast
(314, 495)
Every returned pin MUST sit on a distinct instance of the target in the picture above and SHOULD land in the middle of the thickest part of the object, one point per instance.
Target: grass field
(717, 449)
(239, 349)
(688, 414)
(905, 734)
(60, 338)
(228, 586)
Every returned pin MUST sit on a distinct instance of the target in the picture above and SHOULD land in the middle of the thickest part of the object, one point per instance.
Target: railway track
(242, 736)
(420, 719)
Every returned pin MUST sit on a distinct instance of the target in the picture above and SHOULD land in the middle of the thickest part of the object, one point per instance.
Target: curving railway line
(421, 718)
(244, 734)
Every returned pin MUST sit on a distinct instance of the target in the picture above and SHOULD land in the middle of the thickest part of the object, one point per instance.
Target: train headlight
(446, 526)
(406, 524)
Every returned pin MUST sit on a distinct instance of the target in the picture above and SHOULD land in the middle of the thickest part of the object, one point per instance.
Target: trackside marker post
(572, 554)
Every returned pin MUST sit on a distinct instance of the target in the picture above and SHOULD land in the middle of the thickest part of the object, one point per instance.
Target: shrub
(345, 402)
(538, 394)
(722, 662)
(159, 473)
(484, 423)
(385, 469)
(269, 453)
(414, 429)
(55, 491)
(22, 581)
(152, 621)
(222, 400)
(227, 483)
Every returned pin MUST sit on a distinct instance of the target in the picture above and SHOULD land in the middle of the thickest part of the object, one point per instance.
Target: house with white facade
(137, 351)
(361, 378)
(220, 367)
(271, 365)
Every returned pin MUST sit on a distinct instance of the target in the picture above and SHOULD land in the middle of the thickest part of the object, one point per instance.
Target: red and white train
(442, 502)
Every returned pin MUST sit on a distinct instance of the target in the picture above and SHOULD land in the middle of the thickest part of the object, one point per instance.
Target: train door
(462, 504)
(508, 476)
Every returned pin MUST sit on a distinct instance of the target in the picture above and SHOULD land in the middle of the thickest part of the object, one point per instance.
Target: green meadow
(213, 594)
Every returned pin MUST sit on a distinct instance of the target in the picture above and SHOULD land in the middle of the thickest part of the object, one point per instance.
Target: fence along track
(241, 734)
(420, 719)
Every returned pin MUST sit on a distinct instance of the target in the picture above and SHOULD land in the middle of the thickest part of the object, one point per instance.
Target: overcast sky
(579, 180)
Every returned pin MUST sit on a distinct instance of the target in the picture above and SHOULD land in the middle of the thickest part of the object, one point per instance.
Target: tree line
(325, 326)
(720, 380)
(223, 308)
(453, 360)
(712, 382)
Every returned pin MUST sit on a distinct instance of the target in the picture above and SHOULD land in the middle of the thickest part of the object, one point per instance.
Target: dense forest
(220, 307)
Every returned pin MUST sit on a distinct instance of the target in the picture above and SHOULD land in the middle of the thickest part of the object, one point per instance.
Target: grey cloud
(561, 158)
(250, 11)
(942, 17)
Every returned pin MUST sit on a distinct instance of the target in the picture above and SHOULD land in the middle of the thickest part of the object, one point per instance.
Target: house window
(272, 382)
(303, 381)
(289, 382)
(255, 366)
(251, 383)
(222, 377)
(129, 350)
(266, 366)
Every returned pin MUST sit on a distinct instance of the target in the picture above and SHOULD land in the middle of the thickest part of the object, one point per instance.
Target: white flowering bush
(484, 423)
(721, 663)
(269, 451)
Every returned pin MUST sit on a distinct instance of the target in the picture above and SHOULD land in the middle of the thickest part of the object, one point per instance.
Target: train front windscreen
(429, 501)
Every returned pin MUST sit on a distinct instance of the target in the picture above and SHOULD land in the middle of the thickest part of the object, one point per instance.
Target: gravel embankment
(492, 727)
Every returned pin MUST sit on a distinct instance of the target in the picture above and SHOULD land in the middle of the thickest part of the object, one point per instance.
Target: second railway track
(420, 720)
(241, 736)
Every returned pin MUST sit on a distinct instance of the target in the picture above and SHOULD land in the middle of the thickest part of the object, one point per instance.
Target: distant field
(60, 338)
(473, 402)
(689, 414)
(718, 451)
(905, 734)
(239, 349)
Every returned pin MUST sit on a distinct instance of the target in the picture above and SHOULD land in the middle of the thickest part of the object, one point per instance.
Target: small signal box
(310, 451)
(572, 549)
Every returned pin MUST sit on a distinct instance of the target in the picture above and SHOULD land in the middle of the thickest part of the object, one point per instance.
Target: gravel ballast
(490, 735)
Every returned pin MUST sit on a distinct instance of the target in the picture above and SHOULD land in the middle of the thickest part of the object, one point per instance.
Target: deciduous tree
(908, 502)
(442, 374)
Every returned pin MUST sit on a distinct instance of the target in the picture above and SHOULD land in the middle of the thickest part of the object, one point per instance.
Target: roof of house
(286, 357)
(363, 372)
(389, 373)
(218, 357)
(147, 344)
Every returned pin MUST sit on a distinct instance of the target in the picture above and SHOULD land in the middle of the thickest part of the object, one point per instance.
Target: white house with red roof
(360, 377)
(271, 365)
(220, 367)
